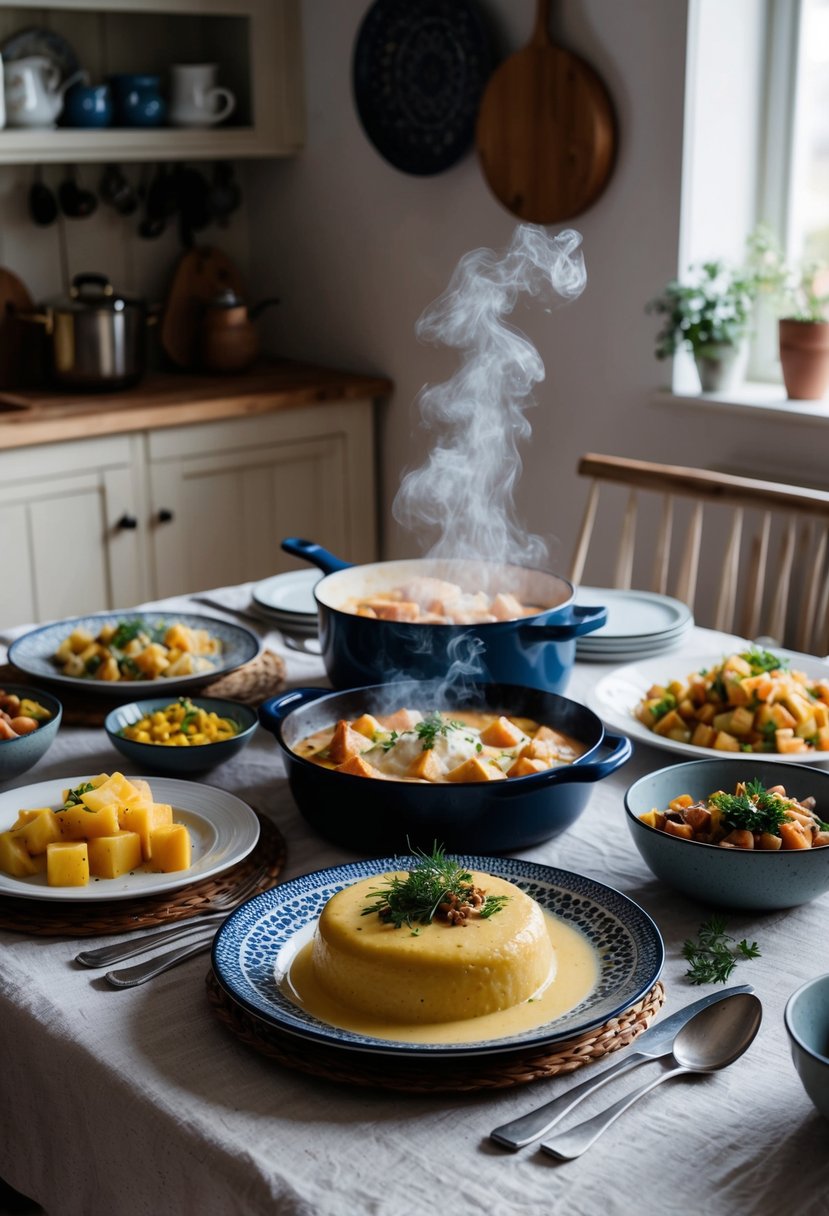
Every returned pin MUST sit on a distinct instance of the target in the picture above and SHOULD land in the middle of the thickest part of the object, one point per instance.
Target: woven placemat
(425, 1076)
(251, 684)
(47, 919)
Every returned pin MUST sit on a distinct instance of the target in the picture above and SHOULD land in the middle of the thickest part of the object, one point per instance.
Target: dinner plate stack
(639, 624)
(287, 601)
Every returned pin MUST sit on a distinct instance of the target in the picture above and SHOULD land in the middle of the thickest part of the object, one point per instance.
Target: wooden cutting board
(546, 132)
(200, 274)
(18, 341)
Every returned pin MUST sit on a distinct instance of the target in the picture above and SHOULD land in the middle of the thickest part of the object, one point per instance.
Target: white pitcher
(196, 99)
(33, 91)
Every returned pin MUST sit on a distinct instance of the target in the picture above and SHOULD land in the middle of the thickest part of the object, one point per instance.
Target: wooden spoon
(546, 133)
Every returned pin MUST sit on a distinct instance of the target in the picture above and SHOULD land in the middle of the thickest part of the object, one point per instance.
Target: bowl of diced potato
(747, 835)
(29, 722)
(181, 736)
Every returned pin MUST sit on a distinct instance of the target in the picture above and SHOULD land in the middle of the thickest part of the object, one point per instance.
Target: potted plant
(800, 297)
(710, 314)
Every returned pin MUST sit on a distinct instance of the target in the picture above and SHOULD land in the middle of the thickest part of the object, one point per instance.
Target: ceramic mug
(87, 106)
(138, 100)
(196, 99)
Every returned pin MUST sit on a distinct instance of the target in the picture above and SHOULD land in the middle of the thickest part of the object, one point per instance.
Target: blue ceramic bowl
(375, 817)
(534, 651)
(730, 878)
(179, 761)
(19, 755)
(807, 1023)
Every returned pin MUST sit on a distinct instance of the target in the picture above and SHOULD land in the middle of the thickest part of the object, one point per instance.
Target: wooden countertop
(36, 416)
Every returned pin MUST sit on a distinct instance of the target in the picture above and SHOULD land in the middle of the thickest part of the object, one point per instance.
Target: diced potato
(117, 790)
(678, 829)
(742, 722)
(78, 823)
(38, 829)
(668, 722)
(724, 742)
(161, 813)
(427, 767)
(15, 858)
(139, 819)
(112, 856)
(346, 742)
(67, 864)
(171, 848)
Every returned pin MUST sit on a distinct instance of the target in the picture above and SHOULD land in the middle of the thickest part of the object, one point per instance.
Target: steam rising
(464, 490)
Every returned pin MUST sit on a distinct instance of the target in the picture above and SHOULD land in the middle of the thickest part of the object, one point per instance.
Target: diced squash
(427, 767)
(476, 769)
(702, 735)
(138, 819)
(67, 864)
(724, 742)
(358, 767)
(112, 856)
(15, 858)
(668, 722)
(793, 836)
(37, 829)
(742, 722)
(78, 823)
(501, 733)
(367, 725)
(171, 848)
(346, 742)
(678, 829)
(524, 766)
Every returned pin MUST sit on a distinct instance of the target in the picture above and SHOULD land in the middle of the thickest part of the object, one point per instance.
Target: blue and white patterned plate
(32, 653)
(262, 937)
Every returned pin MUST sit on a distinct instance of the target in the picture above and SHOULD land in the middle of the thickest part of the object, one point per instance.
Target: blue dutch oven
(533, 651)
(379, 816)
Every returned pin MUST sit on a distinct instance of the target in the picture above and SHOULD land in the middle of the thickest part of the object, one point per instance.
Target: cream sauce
(575, 975)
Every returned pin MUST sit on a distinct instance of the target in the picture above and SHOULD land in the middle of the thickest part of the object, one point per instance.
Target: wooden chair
(756, 550)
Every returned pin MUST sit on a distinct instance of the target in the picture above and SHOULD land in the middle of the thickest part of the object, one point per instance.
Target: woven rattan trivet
(252, 684)
(424, 1076)
(47, 919)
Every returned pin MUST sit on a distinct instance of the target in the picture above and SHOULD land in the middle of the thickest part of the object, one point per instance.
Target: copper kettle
(229, 338)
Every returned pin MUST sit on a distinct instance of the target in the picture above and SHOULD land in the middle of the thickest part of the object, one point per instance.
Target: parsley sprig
(431, 727)
(754, 808)
(715, 953)
(416, 899)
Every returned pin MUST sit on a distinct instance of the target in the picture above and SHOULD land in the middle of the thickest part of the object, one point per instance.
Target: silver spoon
(713, 1039)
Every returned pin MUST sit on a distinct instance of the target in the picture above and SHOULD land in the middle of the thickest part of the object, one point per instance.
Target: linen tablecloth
(140, 1103)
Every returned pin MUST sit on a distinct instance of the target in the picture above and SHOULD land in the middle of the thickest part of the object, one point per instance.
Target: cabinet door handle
(165, 516)
(127, 523)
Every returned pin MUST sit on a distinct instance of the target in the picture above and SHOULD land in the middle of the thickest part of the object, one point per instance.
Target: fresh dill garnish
(435, 887)
(431, 727)
(715, 953)
(754, 809)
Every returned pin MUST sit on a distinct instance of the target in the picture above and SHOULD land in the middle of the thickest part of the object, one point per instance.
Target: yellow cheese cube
(171, 848)
(37, 828)
(78, 823)
(14, 856)
(67, 864)
(112, 856)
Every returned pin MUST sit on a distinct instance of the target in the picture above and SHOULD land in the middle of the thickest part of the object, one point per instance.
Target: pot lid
(92, 292)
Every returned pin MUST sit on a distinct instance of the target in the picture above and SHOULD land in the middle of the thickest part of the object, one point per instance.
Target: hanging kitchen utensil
(546, 133)
(419, 70)
(225, 195)
(192, 192)
(43, 206)
(201, 274)
(160, 203)
(75, 202)
(115, 189)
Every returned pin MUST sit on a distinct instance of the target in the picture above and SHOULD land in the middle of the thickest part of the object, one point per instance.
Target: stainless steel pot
(97, 337)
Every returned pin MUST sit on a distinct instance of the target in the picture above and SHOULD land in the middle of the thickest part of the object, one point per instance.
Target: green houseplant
(799, 294)
(710, 315)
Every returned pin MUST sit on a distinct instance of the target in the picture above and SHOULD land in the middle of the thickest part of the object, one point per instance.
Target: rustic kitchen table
(124, 1103)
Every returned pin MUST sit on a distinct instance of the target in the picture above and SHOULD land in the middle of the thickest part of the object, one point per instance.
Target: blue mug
(138, 100)
(87, 106)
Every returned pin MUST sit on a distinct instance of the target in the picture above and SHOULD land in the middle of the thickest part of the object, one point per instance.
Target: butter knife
(653, 1043)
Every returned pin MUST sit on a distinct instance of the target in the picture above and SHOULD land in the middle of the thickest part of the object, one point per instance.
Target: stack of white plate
(639, 624)
(287, 601)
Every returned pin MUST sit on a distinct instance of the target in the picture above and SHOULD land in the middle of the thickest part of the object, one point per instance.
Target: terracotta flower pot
(804, 358)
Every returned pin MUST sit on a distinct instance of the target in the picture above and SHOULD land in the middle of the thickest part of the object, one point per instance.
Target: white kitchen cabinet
(92, 524)
(224, 495)
(256, 43)
(69, 529)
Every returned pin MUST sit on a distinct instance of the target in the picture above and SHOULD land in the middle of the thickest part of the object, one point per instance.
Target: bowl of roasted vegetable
(181, 736)
(753, 835)
(29, 721)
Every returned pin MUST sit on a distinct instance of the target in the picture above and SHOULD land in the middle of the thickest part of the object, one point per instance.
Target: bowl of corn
(182, 736)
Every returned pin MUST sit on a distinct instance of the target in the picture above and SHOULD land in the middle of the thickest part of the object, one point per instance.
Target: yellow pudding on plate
(478, 960)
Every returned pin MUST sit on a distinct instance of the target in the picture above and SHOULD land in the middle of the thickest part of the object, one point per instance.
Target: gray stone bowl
(730, 878)
(806, 1018)
(19, 755)
(180, 761)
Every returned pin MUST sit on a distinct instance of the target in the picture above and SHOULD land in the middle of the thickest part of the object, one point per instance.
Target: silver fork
(217, 911)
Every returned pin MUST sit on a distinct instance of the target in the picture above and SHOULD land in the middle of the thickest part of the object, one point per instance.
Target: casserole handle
(584, 619)
(622, 750)
(273, 711)
(315, 554)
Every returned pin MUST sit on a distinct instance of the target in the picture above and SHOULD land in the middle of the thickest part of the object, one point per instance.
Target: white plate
(32, 653)
(222, 828)
(267, 932)
(635, 615)
(617, 694)
(291, 594)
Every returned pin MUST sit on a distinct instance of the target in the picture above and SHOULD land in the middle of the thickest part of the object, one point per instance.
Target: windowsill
(761, 400)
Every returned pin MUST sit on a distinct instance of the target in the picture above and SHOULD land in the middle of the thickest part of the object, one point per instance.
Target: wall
(356, 249)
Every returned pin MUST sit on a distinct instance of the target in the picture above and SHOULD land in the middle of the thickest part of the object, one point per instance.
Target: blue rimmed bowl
(752, 879)
(19, 755)
(180, 761)
(375, 816)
